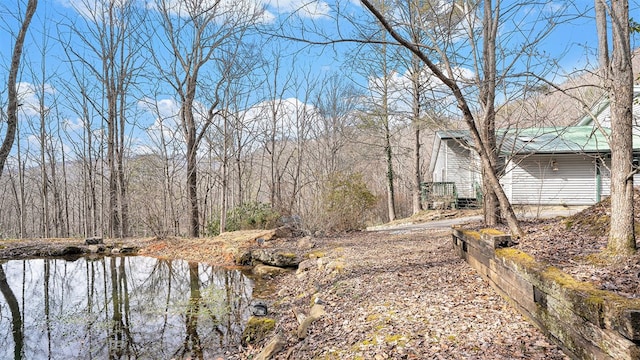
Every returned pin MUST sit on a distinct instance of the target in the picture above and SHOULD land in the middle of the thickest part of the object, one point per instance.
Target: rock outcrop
(276, 257)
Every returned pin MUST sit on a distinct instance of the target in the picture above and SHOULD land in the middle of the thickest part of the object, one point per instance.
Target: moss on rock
(257, 329)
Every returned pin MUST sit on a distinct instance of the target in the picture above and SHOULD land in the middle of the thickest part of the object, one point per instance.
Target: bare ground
(397, 296)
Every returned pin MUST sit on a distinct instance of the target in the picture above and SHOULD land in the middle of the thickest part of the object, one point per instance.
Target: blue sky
(574, 45)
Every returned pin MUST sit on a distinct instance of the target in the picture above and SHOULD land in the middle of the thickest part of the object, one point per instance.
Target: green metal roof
(546, 140)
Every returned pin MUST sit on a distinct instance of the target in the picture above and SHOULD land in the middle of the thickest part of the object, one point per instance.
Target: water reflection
(120, 308)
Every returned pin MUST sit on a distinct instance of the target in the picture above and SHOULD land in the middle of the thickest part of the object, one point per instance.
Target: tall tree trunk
(112, 143)
(192, 166)
(391, 193)
(224, 176)
(21, 191)
(43, 165)
(63, 210)
(618, 80)
(388, 151)
(487, 101)
(121, 179)
(122, 77)
(192, 189)
(12, 91)
(59, 219)
(416, 118)
(416, 124)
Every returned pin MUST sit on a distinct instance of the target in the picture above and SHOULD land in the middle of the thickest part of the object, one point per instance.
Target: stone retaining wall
(586, 322)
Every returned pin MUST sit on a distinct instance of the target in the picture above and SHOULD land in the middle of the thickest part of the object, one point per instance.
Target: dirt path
(398, 296)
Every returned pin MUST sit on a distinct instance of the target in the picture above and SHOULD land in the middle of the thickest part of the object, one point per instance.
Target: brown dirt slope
(573, 244)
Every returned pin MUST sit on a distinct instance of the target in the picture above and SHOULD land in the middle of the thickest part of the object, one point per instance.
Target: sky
(572, 43)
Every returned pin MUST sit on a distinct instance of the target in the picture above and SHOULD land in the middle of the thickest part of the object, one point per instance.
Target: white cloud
(84, 8)
(163, 108)
(267, 17)
(290, 113)
(313, 9)
(165, 112)
(72, 125)
(224, 10)
(29, 97)
(399, 87)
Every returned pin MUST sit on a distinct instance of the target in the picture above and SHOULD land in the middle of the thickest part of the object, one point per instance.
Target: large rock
(273, 347)
(257, 329)
(267, 271)
(284, 232)
(93, 241)
(291, 226)
(276, 257)
(306, 266)
(242, 257)
(305, 243)
(317, 311)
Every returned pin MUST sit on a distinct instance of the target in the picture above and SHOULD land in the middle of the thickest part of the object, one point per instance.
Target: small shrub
(347, 202)
(248, 216)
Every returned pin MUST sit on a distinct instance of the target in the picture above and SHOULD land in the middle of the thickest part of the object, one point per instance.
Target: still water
(120, 308)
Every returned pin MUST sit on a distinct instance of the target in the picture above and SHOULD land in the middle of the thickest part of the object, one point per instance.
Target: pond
(120, 308)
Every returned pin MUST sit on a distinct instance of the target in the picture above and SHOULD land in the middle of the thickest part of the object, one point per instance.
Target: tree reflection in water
(16, 317)
(120, 308)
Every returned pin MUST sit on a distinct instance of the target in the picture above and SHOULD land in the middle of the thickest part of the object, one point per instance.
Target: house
(539, 166)
(600, 114)
(558, 166)
(456, 164)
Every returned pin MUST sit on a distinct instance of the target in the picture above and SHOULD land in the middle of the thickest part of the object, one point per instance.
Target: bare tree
(164, 136)
(417, 97)
(617, 77)
(379, 110)
(12, 106)
(337, 102)
(84, 148)
(416, 75)
(194, 33)
(41, 90)
(108, 46)
(276, 113)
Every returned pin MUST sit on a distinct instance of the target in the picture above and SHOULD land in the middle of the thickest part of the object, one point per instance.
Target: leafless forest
(160, 123)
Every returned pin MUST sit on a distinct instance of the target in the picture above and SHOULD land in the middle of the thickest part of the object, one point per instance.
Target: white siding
(460, 169)
(440, 163)
(455, 163)
(636, 179)
(605, 179)
(507, 180)
(533, 180)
